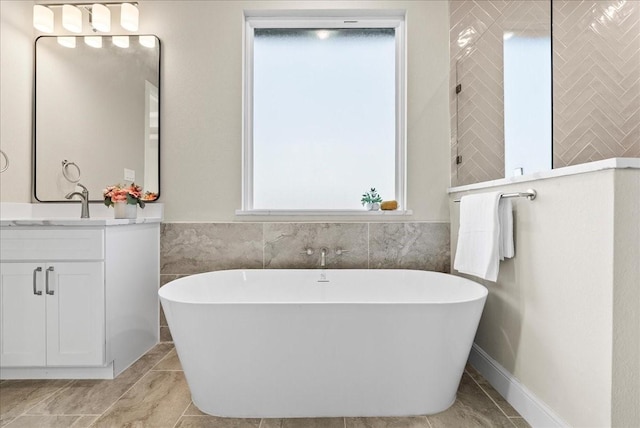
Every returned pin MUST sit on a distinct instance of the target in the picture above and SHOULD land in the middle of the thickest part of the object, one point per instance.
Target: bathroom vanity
(78, 296)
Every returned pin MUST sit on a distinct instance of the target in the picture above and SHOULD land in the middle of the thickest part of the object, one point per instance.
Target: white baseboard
(530, 407)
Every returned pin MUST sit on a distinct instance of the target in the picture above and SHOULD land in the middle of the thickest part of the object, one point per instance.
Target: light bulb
(101, 17)
(148, 41)
(72, 18)
(121, 41)
(67, 41)
(42, 18)
(129, 16)
(93, 41)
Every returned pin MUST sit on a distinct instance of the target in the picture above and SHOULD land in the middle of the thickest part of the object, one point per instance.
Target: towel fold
(485, 236)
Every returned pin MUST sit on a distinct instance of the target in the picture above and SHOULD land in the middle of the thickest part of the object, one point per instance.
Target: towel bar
(529, 194)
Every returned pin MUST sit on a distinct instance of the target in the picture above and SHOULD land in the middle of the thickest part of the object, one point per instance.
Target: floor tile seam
(95, 418)
(183, 413)
(428, 421)
(53, 394)
(165, 370)
(161, 359)
(63, 414)
(123, 394)
(491, 398)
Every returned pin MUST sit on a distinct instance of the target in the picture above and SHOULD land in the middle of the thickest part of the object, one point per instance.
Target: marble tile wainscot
(190, 248)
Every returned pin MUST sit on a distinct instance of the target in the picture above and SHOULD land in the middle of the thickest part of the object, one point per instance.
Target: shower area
(541, 85)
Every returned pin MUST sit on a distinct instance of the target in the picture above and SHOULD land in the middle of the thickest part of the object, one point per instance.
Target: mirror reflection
(96, 114)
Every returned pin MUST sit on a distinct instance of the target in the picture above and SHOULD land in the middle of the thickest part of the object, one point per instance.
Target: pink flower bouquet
(131, 194)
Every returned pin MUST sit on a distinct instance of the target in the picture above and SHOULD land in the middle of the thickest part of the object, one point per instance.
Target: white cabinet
(52, 314)
(77, 302)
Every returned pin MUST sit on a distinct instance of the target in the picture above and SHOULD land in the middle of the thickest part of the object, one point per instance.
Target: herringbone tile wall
(596, 80)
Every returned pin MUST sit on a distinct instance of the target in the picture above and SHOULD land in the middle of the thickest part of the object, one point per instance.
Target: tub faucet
(84, 200)
(323, 257)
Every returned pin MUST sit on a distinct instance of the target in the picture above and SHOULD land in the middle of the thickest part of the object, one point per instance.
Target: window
(323, 113)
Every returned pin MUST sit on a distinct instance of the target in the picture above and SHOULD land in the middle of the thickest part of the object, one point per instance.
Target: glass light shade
(67, 41)
(93, 41)
(72, 18)
(121, 41)
(101, 17)
(42, 18)
(129, 16)
(148, 41)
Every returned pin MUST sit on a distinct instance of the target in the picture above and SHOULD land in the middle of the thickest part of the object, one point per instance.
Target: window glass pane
(323, 117)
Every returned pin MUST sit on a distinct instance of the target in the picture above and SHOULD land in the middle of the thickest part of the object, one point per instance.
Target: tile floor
(153, 393)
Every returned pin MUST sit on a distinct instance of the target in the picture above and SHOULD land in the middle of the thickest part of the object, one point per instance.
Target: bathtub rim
(480, 291)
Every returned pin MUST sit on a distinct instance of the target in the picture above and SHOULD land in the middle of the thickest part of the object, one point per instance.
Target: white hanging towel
(485, 236)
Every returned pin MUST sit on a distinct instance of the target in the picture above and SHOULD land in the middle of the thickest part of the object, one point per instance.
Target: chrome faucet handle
(308, 251)
(84, 189)
(340, 251)
(84, 201)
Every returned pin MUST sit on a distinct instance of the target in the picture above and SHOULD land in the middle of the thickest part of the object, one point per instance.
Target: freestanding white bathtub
(285, 343)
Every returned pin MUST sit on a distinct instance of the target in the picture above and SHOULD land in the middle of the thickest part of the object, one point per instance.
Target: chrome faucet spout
(323, 258)
(84, 200)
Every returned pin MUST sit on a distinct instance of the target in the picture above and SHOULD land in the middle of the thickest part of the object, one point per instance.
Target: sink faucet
(84, 200)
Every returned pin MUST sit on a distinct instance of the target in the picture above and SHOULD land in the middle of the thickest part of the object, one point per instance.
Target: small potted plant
(124, 200)
(371, 200)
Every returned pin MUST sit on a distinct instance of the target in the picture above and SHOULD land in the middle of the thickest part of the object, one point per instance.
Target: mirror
(96, 117)
(503, 101)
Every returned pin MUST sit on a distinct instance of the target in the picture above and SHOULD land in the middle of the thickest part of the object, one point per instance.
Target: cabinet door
(22, 315)
(75, 314)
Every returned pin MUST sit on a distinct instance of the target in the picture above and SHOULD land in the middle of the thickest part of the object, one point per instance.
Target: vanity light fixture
(148, 41)
(100, 17)
(72, 18)
(67, 41)
(129, 17)
(43, 18)
(93, 41)
(121, 41)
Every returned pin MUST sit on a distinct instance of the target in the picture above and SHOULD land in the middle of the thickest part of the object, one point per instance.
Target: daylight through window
(323, 114)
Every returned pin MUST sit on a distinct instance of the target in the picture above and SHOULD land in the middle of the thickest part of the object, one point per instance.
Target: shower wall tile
(285, 244)
(596, 54)
(596, 81)
(188, 248)
(422, 246)
(477, 112)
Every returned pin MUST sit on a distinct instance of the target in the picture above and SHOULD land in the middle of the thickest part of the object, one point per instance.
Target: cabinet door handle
(49, 292)
(35, 274)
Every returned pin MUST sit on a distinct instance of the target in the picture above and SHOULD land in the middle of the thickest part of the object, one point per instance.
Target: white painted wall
(563, 316)
(201, 91)
(202, 103)
(16, 71)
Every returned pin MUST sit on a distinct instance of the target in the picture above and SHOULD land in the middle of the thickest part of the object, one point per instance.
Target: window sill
(325, 213)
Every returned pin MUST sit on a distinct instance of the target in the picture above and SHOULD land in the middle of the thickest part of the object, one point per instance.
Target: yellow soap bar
(389, 205)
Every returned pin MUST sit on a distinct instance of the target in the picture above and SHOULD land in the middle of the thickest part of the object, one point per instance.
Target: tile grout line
(161, 360)
(490, 398)
(53, 394)
(428, 421)
(129, 389)
(183, 412)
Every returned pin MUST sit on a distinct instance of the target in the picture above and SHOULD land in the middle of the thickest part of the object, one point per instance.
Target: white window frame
(324, 19)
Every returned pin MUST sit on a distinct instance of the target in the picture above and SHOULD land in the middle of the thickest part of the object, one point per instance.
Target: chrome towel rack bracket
(530, 194)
